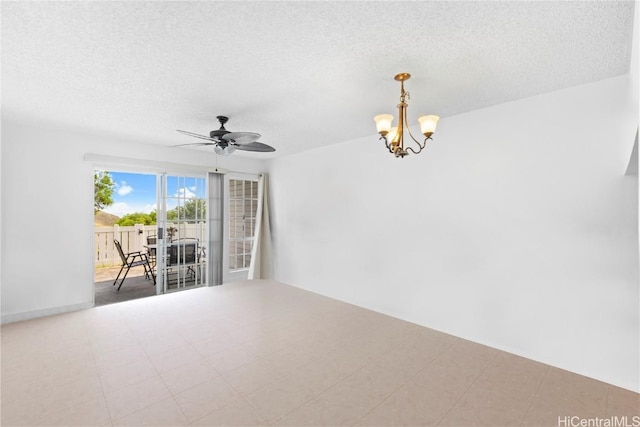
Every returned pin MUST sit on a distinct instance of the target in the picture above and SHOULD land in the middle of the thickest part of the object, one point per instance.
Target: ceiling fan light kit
(225, 142)
(224, 151)
(393, 137)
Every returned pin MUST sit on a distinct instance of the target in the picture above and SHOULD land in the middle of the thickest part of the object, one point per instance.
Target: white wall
(47, 217)
(516, 228)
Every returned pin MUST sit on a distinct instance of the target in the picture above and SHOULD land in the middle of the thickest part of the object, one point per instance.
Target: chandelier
(394, 137)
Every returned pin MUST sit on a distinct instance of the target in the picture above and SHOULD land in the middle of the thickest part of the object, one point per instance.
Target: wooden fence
(134, 238)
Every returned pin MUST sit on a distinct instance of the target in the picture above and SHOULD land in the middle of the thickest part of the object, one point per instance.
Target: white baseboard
(19, 317)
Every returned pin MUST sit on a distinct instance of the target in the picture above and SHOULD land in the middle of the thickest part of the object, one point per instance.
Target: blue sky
(136, 192)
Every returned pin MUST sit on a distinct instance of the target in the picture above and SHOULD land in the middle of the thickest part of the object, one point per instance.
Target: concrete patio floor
(135, 285)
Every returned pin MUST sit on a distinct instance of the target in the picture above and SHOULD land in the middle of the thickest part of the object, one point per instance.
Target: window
(243, 205)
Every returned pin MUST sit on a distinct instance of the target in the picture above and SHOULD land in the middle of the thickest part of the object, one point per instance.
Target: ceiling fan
(225, 142)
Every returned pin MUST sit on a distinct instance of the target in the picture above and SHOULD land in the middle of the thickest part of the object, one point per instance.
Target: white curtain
(261, 266)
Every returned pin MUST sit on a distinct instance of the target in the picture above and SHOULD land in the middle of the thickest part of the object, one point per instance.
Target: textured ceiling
(303, 74)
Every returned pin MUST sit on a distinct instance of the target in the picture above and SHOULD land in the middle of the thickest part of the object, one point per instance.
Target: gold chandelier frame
(394, 137)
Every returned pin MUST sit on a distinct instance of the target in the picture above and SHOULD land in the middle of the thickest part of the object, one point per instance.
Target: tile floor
(264, 353)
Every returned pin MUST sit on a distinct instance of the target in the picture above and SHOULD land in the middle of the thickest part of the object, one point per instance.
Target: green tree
(103, 187)
(138, 218)
(192, 209)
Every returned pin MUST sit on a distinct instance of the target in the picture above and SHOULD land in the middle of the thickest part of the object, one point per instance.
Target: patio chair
(133, 259)
(151, 251)
(184, 252)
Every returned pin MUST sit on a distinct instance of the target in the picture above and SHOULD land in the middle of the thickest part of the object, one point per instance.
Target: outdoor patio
(135, 286)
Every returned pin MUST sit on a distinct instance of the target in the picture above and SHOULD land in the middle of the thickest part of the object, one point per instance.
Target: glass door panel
(183, 233)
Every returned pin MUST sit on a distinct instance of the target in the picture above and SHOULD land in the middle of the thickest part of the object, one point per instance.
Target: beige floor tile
(237, 413)
(268, 345)
(345, 362)
(564, 394)
(514, 374)
(455, 368)
(15, 388)
(409, 356)
(143, 325)
(277, 399)
(98, 329)
(205, 398)
(20, 412)
(317, 376)
(67, 373)
(199, 328)
(587, 393)
(232, 358)
(622, 402)
(164, 413)
(252, 376)
(501, 396)
(189, 375)
(214, 345)
(486, 407)
(67, 365)
(70, 353)
(161, 341)
(319, 412)
(374, 344)
(131, 399)
(413, 405)
(55, 397)
(250, 331)
(323, 344)
(174, 358)
(126, 375)
(468, 349)
(22, 362)
(123, 356)
(293, 357)
(90, 413)
(103, 343)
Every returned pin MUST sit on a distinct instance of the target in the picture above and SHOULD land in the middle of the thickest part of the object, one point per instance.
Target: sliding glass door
(182, 242)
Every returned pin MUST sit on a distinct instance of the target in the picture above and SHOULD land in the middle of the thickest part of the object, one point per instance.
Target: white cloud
(119, 209)
(186, 193)
(123, 189)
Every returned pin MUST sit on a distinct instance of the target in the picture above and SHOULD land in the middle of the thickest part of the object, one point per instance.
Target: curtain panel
(261, 266)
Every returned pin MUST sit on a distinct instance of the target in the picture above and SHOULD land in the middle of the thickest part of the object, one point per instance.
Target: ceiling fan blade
(195, 135)
(254, 146)
(195, 144)
(241, 137)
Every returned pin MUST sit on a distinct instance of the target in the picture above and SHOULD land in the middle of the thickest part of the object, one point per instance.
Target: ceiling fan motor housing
(217, 134)
(222, 131)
